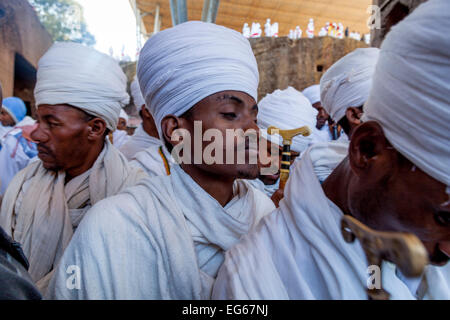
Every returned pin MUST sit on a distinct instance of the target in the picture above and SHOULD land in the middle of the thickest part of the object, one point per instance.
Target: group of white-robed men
(201, 231)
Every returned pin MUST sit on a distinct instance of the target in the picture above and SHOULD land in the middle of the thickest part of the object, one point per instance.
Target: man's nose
(38, 135)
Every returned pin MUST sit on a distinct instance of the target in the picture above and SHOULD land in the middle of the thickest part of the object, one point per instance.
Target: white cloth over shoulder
(162, 239)
(287, 109)
(74, 74)
(120, 137)
(139, 141)
(347, 82)
(182, 65)
(155, 160)
(298, 252)
(312, 93)
(410, 95)
(40, 210)
(136, 93)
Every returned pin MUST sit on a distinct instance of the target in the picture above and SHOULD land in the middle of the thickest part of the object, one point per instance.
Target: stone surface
(283, 62)
(23, 40)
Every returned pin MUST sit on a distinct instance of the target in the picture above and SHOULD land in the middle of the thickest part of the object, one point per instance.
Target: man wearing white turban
(145, 149)
(166, 237)
(285, 109)
(79, 93)
(345, 87)
(146, 135)
(392, 180)
(323, 118)
(120, 135)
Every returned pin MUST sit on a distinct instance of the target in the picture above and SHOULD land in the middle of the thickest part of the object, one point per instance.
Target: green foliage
(64, 20)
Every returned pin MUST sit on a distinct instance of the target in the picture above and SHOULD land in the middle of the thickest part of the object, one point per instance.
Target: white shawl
(162, 239)
(154, 160)
(40, 211)
(298, 252)
(139, 141)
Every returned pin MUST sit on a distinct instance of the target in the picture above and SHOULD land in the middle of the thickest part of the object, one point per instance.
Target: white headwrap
(123, 114)
(410, 96)
(136, 94)
(180, 66)
(287, 109)
(312, 93)
(347, 83)
(71, 73)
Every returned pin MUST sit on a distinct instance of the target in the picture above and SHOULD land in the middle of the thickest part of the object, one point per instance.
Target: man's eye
(442, 218)
(229, 115)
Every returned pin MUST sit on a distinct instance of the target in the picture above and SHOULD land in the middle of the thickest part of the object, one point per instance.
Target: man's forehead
(58, 110)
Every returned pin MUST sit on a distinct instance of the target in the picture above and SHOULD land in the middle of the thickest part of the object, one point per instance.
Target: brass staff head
(288, 135)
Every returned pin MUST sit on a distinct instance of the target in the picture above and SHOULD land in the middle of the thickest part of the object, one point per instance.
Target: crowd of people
(188, 207)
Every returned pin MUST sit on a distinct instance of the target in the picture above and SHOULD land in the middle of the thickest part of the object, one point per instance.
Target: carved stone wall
(283, 62)
(23, 40)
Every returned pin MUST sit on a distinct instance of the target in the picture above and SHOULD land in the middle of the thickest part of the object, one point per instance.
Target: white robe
(15, 152)
(41, 212)
(162, 239)
(155, 160)
(298, 252)
(139, 141)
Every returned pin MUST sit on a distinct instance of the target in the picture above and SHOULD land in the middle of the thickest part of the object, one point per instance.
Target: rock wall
(283, 62)
(23, 40)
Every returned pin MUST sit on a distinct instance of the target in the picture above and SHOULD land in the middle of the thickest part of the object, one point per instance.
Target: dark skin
(222, 110)
(353, 115)
(148, 123)
(322, 116)
(68, 139)
(122, 124)
(385, 191)
(6, 119)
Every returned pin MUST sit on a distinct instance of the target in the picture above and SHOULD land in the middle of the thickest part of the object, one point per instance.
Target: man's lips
(445, 248)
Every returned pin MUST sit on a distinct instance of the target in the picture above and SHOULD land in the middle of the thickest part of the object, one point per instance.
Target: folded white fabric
(347, 82)
(410, 95)
(180, 66)
(71, 73)
(287, 109)
(136, 94)
(312, 93)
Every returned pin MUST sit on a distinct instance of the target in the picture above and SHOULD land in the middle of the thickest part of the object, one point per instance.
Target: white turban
(312, 93)
(410, 97)
(347, 82)
(287, 109)
(123, 114)
(136, 94)
(180, 66)
(71, 73)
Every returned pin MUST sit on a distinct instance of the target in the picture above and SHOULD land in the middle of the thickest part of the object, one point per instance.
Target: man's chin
(247, 171)
(50, 166)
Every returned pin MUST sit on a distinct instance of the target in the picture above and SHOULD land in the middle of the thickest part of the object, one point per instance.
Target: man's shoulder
(133, 203)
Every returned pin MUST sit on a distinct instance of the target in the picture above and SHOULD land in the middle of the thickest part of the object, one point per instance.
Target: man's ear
(353, 116)
(144, 112)
(169, 124)
(96, 128)
(369, 152)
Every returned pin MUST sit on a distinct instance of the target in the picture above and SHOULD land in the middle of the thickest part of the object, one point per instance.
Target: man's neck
(336, 186)
(88, 162)
(219, 187)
